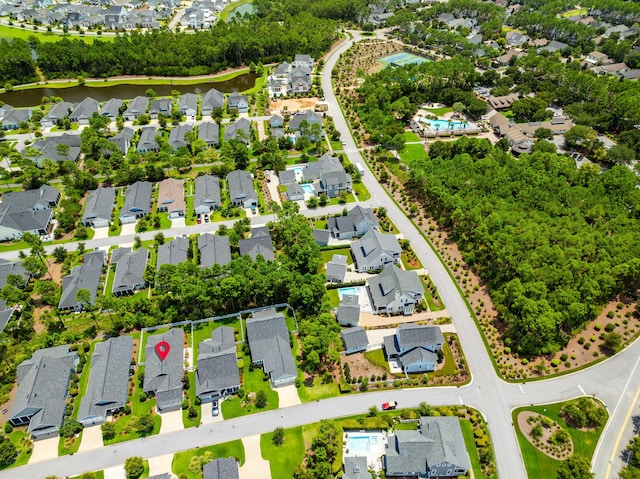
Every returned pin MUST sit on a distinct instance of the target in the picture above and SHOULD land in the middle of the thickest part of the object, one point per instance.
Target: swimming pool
(307, 188)
(355, 291)
(359, 443)
(445, 124)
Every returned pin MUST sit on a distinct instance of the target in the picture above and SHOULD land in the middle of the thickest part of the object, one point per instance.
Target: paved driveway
(101, 233)
(116, 472)
(254, 465)
(160, 465)
(178, 222)
(288, 396)
(171, 421)
(44, 449)
(91, 438)
(207, 417)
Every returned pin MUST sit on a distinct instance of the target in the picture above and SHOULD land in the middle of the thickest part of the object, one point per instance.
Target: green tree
(59, 254)
(278, 436)
(159, 238)
(134, 467)
(145, 424)
(261, 399)
(108, 430)
(8, 451)
(576, 467)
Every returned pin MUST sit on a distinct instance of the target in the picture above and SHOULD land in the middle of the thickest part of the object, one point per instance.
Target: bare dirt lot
(291, 105)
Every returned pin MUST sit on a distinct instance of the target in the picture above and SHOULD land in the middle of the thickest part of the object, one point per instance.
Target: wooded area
(552, 242)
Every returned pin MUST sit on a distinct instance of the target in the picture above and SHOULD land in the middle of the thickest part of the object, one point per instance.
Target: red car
(389, 405)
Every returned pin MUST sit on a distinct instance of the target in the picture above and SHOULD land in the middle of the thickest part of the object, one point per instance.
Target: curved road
(615, 381)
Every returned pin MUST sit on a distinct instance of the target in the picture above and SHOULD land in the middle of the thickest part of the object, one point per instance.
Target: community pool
(355, 291)
(445, 124)
(360, 443)
(307, 188)
(403, 58)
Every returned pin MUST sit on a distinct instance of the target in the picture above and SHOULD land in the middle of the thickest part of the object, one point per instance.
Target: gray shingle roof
(84, 109)
(348, 313)
(287, 177)
(356, 468)
(349, 224)
(214, 249)
(253, 247)
(44, 197)
(368, 250)
(212, 99)
(173, 252)
(209, 132)
(20, 220)
(406, 453)
(43, 382)
(355, 339)
(217, 362)
(147, 141)
(221, 468)
(58, 111)
(268, 338)
(241, 186)
(86, 276)
(123, 139)
(448, 442)
(137, 199)
(337, 268)
(177, 136)
(7, 268)
(108, 385)
(99, 205)
(164, 378)
(242, 126)
(392, 281)
(309, 115)
(207, 196)
(137, 106)
(414, 335)
(188, 101)
(130, 267)
(321, 236)
(111, 108)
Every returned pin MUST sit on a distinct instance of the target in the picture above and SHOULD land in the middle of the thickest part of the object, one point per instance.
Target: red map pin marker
(163, 348)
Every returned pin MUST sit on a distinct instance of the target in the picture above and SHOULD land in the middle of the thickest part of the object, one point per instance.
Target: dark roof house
(173, 252)
(209, 132)
(147, 141)
(217, 373)
(98, 207)
(375, 250)
(241, 190)
(240, 130)
(415, 346)
(395, 291)
(207, 196)
(214, 249)
(138, 106)
(86, 276)
(221, 468)
(108, 386)
(356, 223)
(348, 313)
(130, 268)
(258, 244)
(163, 377)
(210, 100)
(84, 110)
(355, 340)
(137, 202)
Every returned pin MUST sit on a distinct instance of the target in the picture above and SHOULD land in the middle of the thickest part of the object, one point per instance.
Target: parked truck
(387, 406)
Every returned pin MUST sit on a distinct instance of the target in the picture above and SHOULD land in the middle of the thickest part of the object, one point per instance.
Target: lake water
(241, 10)
(23, 98)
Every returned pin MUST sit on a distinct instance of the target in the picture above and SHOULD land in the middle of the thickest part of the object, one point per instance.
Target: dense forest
(16, 64)
(553, 242)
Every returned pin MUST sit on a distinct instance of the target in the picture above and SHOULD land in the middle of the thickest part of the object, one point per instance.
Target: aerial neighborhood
(253, 239)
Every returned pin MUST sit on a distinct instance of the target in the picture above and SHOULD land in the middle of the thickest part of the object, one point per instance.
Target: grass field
(412, 153)
(181, 460)
(539, 464)
(283, 459)
(7, 31)
(410, 136)
(328, 254)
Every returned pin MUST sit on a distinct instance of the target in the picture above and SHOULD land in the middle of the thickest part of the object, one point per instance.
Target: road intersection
(615, 381)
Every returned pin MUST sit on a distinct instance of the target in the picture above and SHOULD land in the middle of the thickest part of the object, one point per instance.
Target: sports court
(402, 59)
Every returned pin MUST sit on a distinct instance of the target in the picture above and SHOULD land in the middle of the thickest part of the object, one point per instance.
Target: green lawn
(574, 12)
(376, 357)
(96, 475)
(125, 429)
(336, 145)
(334, 297)
(328, 254)
(361, 191)
(283, 459)
(318, 391)
(539, 464)
(433, 299)
(20, 438)
(438, 111)
(7, 31)
(192, 402)
(69, 446)
(203, 331)
(412, 153)
(410, 136)
(469, 440)
(319, 224)
(84, 380)
(116, 215)
(406, 264)
(181, 460)
(252, 382)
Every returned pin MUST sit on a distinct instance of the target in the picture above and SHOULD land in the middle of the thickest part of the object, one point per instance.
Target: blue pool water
(359, 444)
(445, 124)
(297, 169)
(307, 188)
(352, 290)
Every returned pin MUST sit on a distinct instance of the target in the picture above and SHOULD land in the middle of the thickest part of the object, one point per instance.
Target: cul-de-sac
(319, 239)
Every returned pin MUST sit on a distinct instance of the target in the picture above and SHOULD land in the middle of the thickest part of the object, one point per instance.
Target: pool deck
(376, 449)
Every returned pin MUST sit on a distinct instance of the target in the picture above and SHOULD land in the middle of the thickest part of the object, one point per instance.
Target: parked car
(215, 409)
(206, 218)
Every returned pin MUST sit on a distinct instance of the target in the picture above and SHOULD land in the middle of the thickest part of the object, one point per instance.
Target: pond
(241, 10)
(32, 97)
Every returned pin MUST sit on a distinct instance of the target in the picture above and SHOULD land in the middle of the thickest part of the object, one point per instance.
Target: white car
(215, 410)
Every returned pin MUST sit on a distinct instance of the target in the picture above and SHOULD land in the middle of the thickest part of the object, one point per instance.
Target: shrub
(609, 327)
(597, 327)
(555, 362)
(564, 357)
(611, 315)
(581, 340)
(108, 430)
(536, 432)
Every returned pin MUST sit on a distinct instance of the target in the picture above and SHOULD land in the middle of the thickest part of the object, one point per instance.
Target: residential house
(173, 252)
(147, 141)
(137, 202)
(108, 386)
(217, 374)
(123, 139)
(7, 268)
(84, 110)
(304, 123)
(299, 80)
(553, 47)
(303, 61)
(436, 450)
(321, 236)
(515, 38)
(49, 149)
(14, 118)
(375, 250)
(56, 113)
(130, 268)
(270, 346)
(415, 347)
(295, 192)
(281, 71)
(171, 197)
(507, 58)
(138, 106)
(258, 244)
(214, 249)
(207, 197)
(85, 276)
(211, 100)
(356, 223)
(355, 340)
(28, 211)
(395, 291)
(209, 132)
(610, 69)
(276, 121)
(111, 108)
(237, 101)
(348, 313)
(287, 177)
(221, 468)
(5, 109)
(188, 105)
(161, 106)
(336, 269)
(355, 467)
(332, 175)
(43, 383)
(597, 58)
(99, 207)
(115, 17)
(239, 130)
(163, 375)
(241, 190)
(502, 102)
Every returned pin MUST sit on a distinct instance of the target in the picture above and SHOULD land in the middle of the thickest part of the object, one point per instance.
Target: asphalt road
(615, 381)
